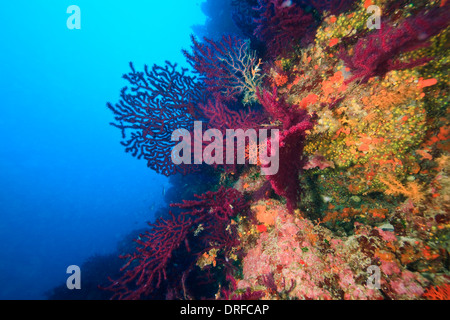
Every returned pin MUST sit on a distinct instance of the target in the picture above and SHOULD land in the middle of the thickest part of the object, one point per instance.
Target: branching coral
(160, 101)
(228, 67)
(438, 293)
(282, 25)
(412, 190)
(221, 117)
(378, 53)
(165, 253)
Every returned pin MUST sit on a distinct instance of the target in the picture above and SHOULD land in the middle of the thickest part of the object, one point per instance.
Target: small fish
(386, 227)
(164, 191)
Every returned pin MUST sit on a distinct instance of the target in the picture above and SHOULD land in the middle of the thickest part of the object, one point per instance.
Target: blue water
(68, 189)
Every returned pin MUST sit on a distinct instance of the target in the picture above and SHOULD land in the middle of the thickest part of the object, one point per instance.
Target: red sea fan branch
(280, 110)
(334, 7)
(441, 292)
(295, 122)
(282, 24)
(214, 210)
(154, 261)
(151, 258)
(378, 52)
(227, 67)
(160, 101)
(219, 205)
(221, 117)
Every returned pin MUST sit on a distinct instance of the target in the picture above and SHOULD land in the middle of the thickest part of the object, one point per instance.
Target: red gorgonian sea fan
(221, 117)
(159, 101)
(295, 122)
(227, 67)
(441, 292)
(334, 7)
(378, 52)
(220, 143)
(282, 24)
(166, 254)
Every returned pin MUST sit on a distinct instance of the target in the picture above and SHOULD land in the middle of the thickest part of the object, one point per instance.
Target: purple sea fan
(282, 24)
(334, 7)
(160, 101)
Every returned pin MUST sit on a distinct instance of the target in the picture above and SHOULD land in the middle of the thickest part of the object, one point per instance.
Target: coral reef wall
(359, 207)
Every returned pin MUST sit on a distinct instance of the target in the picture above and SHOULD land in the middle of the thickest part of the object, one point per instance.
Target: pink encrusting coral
(319, 265)
(300, 257)
(318, 161)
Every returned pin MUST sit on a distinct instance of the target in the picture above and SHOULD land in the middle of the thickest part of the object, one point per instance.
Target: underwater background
(353, 94)
(68, 189)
